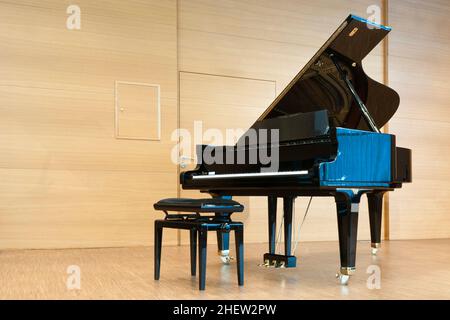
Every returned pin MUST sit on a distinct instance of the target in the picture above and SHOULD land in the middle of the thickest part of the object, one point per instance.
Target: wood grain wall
(65, 181)
(419, 65)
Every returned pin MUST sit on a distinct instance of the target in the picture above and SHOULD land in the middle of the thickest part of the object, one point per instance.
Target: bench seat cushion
(199, 205)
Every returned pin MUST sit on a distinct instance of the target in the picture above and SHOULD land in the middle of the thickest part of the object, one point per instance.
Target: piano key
(250, 175)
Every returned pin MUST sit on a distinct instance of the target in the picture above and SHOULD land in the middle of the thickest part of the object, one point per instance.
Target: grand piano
(327, 143)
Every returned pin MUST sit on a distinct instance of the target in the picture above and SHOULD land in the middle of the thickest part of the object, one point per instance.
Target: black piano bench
(200, 216)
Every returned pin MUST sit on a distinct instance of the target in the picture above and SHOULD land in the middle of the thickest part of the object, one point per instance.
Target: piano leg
(223, 245)
(375, 200)
(347, 204)
(288, 205)
(239, 241)
(272, 204)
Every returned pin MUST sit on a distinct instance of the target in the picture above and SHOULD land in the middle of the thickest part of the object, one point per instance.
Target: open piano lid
(319, 86)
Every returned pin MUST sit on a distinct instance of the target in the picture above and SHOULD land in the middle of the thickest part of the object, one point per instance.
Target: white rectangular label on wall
(137, 111)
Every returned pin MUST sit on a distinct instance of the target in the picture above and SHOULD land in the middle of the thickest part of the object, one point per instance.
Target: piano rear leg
(375, 200)
(288, 207)
(223, 245)
(272, 205)
(347, 205)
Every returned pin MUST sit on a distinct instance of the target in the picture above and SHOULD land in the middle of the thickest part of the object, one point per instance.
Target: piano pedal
(279, 261)
(266, 264)
(272, 264)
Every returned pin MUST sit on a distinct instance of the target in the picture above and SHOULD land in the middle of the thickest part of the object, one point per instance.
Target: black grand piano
(327, 143)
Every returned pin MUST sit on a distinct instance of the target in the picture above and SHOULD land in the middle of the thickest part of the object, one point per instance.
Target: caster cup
(224, 256)
(343, 278)
(374, 248)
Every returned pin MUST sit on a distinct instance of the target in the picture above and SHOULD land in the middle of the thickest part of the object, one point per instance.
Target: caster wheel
(343, 278)
(225, 259)
(374, 251)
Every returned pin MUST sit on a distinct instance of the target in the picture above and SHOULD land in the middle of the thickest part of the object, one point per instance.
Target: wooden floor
(409, 270)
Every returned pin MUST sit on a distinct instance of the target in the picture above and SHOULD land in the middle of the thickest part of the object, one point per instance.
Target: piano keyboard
(250, 175)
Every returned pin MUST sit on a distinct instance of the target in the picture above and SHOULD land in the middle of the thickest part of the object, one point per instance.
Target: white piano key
(251, 175)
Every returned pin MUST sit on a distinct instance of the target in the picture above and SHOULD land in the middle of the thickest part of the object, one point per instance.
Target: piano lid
(319, 86)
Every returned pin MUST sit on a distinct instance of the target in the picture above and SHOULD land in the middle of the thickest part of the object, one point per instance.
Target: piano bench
(200, 216)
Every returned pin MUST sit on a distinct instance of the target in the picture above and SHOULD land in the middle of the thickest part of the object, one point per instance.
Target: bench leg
(202, 239)
(239, 239)
(158, 243)
(193, 235)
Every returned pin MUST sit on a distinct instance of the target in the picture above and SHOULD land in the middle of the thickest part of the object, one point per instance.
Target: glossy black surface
(293, 127)
(346, 158)
(303, 139)
(198, 225)
(375, 201)
(403, 165)
(319, 86)
(215, 205)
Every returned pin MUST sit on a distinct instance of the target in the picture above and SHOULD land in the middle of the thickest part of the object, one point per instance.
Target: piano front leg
(347, 205)
(272, 206)
(223, 245)
(288, 206)
(375, 200)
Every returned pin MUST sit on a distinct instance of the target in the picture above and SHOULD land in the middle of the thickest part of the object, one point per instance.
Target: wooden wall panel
(65, 181)
(261, 39)
(67, 208)
(269, 40)
(419, 65)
